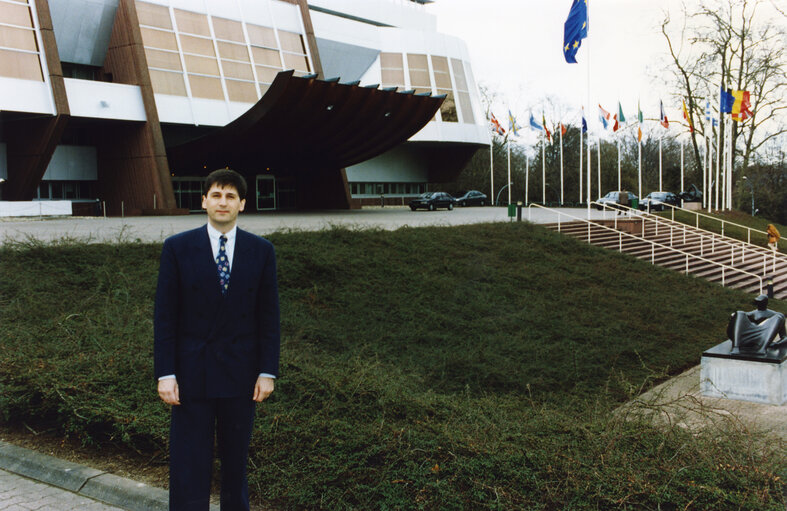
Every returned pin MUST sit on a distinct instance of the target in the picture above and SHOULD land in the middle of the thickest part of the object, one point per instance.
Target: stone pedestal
(747, 377)
(693, 206)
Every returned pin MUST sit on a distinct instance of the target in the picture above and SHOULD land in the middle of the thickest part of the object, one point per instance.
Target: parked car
(614, 198)
(657, 201)
(472, 198)
(432, 201)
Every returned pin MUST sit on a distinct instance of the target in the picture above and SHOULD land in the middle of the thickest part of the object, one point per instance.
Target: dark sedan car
(432, 201)
(472, 198)
(657, 200)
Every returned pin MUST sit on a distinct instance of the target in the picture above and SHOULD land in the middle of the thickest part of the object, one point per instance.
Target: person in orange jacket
(773, 237)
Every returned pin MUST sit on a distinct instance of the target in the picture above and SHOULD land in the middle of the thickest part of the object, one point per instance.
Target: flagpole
(726, 166)
(705, 165)
(619, 180)
(598, 156)
(710, 174)
(544, 167)
(730, 155)
(581, 155)
(681, 164)
(492, 167)
(718, 150)
(660, 171)
(639, 173)
(588, 174)
(561, 164)
(508, 183)
(527, 179)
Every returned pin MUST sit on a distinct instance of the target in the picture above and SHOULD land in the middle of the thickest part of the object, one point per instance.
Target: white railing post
(687, 264)
(722, 277)
(652, 253)
(620, 242)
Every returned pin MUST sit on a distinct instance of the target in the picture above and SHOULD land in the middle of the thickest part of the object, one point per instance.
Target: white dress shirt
(229, 246)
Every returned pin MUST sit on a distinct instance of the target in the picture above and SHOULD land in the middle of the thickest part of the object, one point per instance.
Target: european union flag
(575, 29)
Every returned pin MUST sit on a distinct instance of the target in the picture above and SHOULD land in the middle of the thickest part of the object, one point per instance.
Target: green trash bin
(512, 210)
(635, 203)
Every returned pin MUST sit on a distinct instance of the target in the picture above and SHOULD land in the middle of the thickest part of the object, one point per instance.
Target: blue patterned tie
(223, 265)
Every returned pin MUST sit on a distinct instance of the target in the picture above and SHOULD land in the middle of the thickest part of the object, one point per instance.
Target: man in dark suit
(216, 345)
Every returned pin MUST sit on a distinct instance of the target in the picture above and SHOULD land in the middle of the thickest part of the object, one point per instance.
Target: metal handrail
(698, 215)
(732, 243)
(653, 245)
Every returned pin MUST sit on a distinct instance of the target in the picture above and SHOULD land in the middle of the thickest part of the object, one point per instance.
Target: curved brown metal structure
(310, 129)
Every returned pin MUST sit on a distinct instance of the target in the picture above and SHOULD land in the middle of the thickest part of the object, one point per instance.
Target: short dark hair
(226, 177)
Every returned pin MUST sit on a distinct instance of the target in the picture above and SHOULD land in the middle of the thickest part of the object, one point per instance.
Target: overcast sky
(516, 50)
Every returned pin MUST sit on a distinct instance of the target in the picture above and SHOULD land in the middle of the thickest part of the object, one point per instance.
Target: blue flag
(534, 124)
(584, 122)
(726, 100)
(575, 29)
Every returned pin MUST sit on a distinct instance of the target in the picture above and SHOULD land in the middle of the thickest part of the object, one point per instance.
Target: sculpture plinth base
(746, 377)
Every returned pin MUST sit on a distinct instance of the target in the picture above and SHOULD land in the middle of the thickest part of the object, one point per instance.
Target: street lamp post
(746, 180)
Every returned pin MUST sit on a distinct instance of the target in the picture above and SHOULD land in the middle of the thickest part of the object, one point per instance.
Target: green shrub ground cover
(468, 367)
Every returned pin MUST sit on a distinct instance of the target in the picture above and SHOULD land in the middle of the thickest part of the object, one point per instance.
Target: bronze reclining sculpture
(757, 331)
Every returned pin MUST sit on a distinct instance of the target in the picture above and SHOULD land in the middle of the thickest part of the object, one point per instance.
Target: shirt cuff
(167, 377)
(266, 375)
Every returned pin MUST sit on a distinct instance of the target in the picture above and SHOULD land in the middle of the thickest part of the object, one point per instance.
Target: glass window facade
(20, 56)
(436, 74)
(214, 57)
(360, 189)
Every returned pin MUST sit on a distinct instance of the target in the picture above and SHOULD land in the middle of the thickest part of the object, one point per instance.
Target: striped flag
(662, 116)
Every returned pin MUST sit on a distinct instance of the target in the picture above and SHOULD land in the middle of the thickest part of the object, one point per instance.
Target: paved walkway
(18, 493)
(157, 228)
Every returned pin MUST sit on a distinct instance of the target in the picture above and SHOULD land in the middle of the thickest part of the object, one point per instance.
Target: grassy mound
(431, 368)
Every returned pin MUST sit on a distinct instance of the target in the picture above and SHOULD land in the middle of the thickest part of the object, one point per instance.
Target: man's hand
(262, 389)
(168, 391)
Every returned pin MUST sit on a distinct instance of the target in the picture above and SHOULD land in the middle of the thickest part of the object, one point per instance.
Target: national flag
(639, 128)
(603, 116)
(575, 29)
(513, 127)
(562, 129)
(621, 117)
(615, 124)
(707, 110)
(584, 122)
(662, 116)
(686, 116)
(544, 124)
(741, 109)
(496, 126)
(726, 101)
(534, 124)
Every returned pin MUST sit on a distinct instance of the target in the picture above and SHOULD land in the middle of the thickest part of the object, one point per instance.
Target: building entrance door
(266, 193)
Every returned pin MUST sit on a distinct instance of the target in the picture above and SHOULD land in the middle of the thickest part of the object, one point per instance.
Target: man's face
(223, 205)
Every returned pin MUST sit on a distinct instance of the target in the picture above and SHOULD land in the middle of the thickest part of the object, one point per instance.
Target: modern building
(320, 104)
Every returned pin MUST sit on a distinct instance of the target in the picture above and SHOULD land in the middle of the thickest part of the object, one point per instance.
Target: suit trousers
(193, 425)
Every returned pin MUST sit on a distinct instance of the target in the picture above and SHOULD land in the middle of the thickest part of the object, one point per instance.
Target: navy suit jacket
(216, 345)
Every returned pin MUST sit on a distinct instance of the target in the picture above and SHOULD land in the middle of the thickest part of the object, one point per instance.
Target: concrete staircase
(684, 248)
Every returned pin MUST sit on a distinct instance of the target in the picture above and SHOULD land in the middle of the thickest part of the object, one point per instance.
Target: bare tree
(730, 43)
